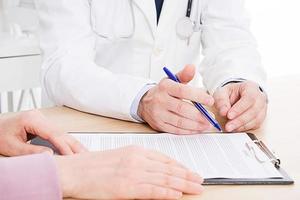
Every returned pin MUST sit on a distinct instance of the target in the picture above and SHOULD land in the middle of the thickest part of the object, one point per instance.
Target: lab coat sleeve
(135, 105)
(229, 49)
(70, 75)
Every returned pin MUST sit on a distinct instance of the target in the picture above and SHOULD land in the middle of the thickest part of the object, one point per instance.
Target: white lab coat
(91, 64)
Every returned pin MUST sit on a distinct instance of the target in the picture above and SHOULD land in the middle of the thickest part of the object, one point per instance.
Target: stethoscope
(185, 26)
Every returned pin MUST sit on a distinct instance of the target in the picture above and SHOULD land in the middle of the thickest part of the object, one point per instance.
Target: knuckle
(179, 122)
(167, 180)
(163, 85)
(241, 121)
(180, 90)
(179, 107)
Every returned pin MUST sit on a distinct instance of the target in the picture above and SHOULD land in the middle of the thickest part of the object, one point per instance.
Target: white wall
(1, 16)
(276, 25)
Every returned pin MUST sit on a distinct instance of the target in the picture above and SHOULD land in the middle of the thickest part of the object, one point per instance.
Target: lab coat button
(157, 51)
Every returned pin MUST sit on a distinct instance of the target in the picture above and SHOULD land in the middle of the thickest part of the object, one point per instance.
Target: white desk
(20, 63)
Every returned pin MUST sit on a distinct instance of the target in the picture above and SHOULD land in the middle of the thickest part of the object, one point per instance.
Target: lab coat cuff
(135, 104)
(232, 80)
(237, 80)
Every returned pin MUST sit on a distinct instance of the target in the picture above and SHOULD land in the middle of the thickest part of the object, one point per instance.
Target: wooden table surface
(279, 132)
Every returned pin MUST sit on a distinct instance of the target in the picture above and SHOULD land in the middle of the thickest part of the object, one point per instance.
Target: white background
(276, 26)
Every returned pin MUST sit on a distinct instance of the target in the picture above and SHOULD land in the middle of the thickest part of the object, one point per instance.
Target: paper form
(210, 155)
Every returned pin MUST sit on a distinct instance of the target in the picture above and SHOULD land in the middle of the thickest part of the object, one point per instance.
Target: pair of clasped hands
(133, 172)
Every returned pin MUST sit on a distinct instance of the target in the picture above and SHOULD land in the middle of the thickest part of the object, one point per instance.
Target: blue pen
(197, 105)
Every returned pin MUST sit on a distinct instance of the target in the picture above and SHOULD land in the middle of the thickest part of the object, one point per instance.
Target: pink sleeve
(31, 177)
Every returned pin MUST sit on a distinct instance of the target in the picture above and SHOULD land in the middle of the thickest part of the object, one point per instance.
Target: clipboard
(285, 180)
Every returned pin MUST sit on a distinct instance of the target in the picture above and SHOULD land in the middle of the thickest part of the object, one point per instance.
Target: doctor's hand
(243, 104)
(17, 130)
(164, 107)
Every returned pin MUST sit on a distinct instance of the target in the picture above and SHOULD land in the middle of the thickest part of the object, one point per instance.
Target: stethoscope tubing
(189, 8)
(188, 15)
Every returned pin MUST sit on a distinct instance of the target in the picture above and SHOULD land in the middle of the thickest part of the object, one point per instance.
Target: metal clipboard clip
(271, 157)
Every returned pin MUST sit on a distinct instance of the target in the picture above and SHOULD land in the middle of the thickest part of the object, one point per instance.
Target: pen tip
(219, 128)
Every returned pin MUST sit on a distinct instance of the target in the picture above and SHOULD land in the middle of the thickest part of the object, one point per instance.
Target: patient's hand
(16, 130)
(164, 107)
(125, 173)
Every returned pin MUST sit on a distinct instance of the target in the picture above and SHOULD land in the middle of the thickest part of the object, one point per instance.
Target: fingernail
(230, 127)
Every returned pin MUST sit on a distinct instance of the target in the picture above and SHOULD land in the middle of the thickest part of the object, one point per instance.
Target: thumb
(187, 74)
(34, 149)
(222, 101)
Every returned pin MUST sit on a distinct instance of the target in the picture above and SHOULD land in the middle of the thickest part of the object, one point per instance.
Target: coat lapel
(149, 10)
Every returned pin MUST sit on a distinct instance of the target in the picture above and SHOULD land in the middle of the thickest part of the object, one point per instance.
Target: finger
(184, 109)
(26, 149)
(172, 182)
(173, 170)
(222, 101)
(187, 74)
(148, 191)
(75, 145)
(184, 123)
(61, 145)
(160, 157)
(255, 123)
(244, 118)
(177, 131)
(188, 92)
(241, 106)
(38, 125)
